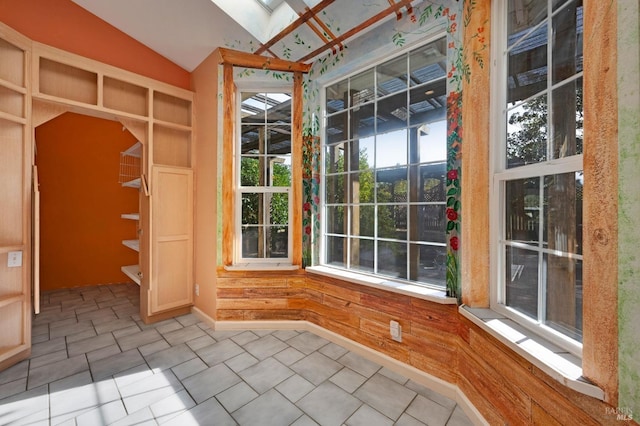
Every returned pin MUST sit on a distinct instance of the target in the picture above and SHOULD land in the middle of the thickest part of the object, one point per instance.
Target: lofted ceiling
(187, 31)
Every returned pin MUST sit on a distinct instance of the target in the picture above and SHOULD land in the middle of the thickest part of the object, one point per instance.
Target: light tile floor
(95, 363)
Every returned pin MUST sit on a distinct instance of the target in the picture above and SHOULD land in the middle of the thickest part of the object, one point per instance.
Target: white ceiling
(187, 31)
(183, 31)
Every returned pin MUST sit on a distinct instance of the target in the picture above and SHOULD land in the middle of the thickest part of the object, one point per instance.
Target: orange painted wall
(81, 201)
(65, 25)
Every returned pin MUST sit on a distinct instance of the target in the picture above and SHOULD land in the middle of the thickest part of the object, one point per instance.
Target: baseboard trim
(436, 384)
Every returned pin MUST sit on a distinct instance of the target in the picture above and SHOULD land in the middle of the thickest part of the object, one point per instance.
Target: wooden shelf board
(13, 118)
(13, 86)
(134, 150)
(132, 244)
(135, 183)
(133, 272)
(82, 108)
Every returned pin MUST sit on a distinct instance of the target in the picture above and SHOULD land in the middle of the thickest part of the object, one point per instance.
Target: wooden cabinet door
(15, 198)
(171, 280)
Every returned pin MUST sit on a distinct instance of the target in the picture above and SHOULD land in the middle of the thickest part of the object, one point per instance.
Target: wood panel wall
(436, 339)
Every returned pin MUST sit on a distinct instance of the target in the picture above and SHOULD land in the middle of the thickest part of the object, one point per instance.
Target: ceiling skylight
(270, 5)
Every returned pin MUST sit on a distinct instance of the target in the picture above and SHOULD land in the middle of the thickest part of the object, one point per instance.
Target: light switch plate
(14, 259)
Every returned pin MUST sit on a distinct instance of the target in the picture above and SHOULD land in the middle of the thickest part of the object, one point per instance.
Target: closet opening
(86, 227)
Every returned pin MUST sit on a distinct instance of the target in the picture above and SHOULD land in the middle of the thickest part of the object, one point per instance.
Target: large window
(538, 174)
(264, 177)
(385, 168)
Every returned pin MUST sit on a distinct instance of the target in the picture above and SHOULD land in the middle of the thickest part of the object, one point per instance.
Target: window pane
(278, 108)
(362, 252)
(523, 15)
(564, 295)
(391, 185)
(392, 113)
(336, 96)
(392, 76)
(276, 241)
(428, 103)
(522, 280)
(252, 108)
(361, 88)
(361, 186)
(567, 120)
(278, 208)
(362, 121)
(279, 139)
(334, 189)
(563, 212)
(366, 153)
(567, 42)
(336, 128)
(527, 68)
(251, 242)
(363, 221)
(252, 208)
(522, 210)
(527, 133)
(392, 259)
(335, 158)
(430, 223)
(252, 139)
(279, 171)
(392, 222)
(391, 149)
(432, 183)
(335, 219)
(431, 143)
(428, 63)
(427, 263)
(252, 171)
(335, 251)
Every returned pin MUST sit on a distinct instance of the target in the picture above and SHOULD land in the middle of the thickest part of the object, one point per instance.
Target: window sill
(419, 292)
(556, 362)
(261, 267)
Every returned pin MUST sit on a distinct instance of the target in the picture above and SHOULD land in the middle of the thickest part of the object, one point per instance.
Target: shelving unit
(15, 173)
(160, 116)
(130, 172)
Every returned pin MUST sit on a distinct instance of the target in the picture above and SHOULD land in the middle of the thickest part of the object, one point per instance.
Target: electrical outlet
(197, 290)
(14, 259)
(396, 331)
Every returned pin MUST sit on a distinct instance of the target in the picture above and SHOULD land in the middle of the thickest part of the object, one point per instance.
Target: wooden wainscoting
(503, 386)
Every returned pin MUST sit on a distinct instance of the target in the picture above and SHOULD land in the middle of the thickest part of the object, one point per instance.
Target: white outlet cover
(14, 259)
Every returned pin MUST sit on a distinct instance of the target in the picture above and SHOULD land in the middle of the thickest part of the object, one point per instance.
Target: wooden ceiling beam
(327, 31)
(237, 58)
(355, 30)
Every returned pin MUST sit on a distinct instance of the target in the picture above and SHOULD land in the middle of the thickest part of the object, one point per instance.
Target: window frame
(372, 66)
(239, 189)
(501, 174)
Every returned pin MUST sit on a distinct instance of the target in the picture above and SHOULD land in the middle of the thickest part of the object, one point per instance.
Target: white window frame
(239, 189)
(501, 174)
(366, 277)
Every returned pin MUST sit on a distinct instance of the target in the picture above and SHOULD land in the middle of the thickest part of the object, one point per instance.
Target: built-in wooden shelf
(132, 244)
(133, 272)
(135, 183)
